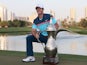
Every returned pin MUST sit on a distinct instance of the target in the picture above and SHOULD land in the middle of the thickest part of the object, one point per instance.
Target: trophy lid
(51, 26)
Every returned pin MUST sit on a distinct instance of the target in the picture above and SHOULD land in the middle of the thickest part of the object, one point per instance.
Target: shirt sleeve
(54, 21)
(34, 26)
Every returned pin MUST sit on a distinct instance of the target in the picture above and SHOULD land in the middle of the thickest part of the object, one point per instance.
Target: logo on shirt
(46, 21)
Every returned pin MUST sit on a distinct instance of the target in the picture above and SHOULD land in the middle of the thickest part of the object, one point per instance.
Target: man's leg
(43, 39)
(29, 49)
(29, 45)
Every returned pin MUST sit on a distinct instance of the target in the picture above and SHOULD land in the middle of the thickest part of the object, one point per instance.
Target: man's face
(39, 11)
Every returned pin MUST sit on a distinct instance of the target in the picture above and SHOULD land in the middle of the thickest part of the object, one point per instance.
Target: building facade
(22, 18)
(12, 16)
(86, 12)
(72, 13)
(3, 13)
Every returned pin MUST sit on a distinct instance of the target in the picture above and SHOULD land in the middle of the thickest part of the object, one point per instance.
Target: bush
(64, 23)
(28, 23)
(17, 23)
(83, 23)
(4, 24)
(10, 23)
(23, 23)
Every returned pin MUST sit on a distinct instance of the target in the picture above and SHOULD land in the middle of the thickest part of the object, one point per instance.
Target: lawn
(15, 30)
(14, 58)
(78, 30)
(27, 30)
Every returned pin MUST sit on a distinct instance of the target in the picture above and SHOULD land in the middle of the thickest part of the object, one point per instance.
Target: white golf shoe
(29, 59)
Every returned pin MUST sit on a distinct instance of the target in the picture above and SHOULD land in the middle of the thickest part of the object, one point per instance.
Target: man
(40, 23)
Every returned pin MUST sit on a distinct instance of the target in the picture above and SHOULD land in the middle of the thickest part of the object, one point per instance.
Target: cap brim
(39, 7)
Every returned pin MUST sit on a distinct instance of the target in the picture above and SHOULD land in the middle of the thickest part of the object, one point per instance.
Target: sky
(60, 7)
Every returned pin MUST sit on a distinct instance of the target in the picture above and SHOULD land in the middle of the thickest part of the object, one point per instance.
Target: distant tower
(12, 16)
(72, 13)
(3, 13)
(86, 12)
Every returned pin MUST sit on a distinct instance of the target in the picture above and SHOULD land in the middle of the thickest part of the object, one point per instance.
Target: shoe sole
(28, 61)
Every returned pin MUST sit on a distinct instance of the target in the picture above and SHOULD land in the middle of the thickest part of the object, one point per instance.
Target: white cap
(40, 5)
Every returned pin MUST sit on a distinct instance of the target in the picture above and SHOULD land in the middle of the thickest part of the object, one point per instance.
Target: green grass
(14, 58)
(78, 30)
(15, 30)
(27, 30)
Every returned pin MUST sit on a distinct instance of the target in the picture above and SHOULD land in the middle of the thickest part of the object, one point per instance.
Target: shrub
(4, 24)
(83, 23)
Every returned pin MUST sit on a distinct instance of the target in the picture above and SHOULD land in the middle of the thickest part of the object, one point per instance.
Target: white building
(11, 16)
(22, 18)
(73, 14)
(85, 11)
(3, 13)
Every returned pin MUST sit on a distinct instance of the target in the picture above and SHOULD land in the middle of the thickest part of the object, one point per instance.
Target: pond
(67, 43)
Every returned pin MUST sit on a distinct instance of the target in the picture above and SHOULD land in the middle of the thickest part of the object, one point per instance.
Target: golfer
(41, 23)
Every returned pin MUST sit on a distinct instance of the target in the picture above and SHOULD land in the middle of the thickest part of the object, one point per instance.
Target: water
(67, 43)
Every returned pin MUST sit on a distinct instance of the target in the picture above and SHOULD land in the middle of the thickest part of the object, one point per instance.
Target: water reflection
(3, 42)
(71, 43)
(13, 43)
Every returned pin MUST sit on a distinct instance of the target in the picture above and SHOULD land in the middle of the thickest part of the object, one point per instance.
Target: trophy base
(51, 61)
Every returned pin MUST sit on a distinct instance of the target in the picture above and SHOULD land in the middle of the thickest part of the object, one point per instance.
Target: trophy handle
(61, 30)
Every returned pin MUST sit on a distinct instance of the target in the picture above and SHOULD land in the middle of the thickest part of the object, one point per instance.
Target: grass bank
(27, 30)
(14, 58)
(15, 30)
(78, 30)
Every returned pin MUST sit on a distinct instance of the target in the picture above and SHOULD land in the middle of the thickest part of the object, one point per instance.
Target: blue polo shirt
(43, 23)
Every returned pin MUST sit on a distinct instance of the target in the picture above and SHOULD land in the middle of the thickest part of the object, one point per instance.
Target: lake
(67, 43)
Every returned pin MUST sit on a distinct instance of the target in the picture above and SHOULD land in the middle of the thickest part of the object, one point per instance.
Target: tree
(29, 24)
(83, 23)
(4, 24)
(0, 19)
(64, 23)
(22, 23)
(16, 23)
(10, 23)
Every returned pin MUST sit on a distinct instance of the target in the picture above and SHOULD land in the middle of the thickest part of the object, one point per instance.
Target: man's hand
(37, 36)
(56, 26)
(35, 33)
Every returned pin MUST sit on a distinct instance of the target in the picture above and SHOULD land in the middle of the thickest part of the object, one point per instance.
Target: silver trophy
(51, 56)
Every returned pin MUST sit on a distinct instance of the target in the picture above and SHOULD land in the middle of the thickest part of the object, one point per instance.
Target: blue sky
(61, 7)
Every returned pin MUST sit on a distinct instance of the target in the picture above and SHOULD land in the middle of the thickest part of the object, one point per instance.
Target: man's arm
(35, 33)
